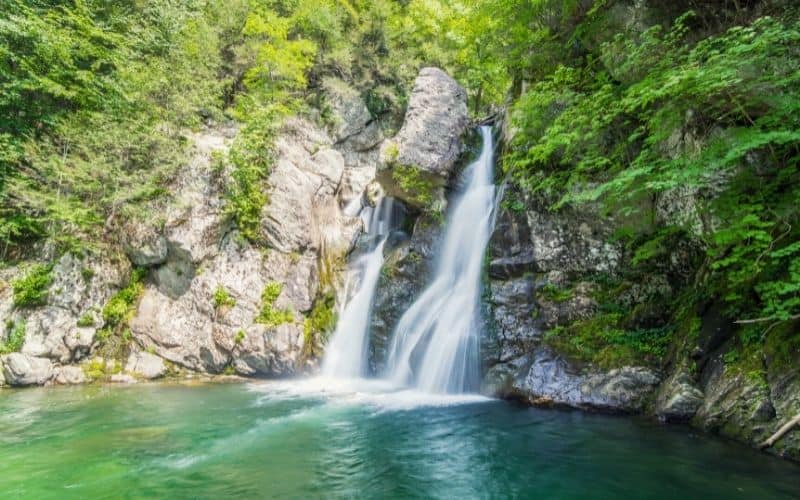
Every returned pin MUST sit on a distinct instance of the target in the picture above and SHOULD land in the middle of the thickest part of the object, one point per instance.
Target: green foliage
(87, 274)
(552, 293)
(32, 289)
(95, 369)
(86, 320)
(715, 122)
(15, 339)
(319, 324)
(121, 307)
(238, 339)
(269, 315)
(222, 298)
(603, 341)
(419, 189)
(95, 95)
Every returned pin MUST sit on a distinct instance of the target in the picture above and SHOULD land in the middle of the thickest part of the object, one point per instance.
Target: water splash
(436, 344)
(346, 353)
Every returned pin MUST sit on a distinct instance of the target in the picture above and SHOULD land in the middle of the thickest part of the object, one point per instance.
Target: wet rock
(678, 399)
(580, 304)
(145, 365)
(515, 329)
(569, 241)
(403, 277)
(730, 400)
(551, 378)
(21, 369)
(510, 247)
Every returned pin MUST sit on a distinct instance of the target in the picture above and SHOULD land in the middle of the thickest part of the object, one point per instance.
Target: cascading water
(346, 354)
(435, 345)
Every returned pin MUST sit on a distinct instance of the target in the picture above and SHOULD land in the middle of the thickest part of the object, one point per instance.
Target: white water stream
(436, 343)
(346, 353)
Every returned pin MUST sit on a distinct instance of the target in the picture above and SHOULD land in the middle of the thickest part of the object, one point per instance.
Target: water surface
(290, 440)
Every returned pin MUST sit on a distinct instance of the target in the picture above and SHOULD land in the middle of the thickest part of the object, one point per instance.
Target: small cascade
(436, 343)
(346, 353)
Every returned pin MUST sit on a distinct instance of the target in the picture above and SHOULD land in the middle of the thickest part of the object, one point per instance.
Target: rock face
(203, 307)
(550, 270)
(179, 317)
(63, 329)
(356, 135)
(678, 398)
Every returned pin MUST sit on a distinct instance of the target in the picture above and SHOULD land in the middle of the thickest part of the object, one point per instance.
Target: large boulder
(21, 370)
(348, 112)
(430, 138)
(69, 375)
(419, 161)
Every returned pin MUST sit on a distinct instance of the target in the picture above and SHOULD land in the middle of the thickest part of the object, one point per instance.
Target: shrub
(223, 299)
(86, 320)
(16, 338)
(269, 315)
(418, 189)
(31, 289)
(319, 323)
(121, 306)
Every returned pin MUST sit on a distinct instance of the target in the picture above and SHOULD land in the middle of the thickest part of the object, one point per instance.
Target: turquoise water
(289, 440)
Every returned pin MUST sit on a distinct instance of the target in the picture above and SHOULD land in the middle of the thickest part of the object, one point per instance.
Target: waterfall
(346, 353)
(435, 345)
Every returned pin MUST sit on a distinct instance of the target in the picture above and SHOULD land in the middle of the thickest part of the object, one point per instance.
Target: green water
(271, 440)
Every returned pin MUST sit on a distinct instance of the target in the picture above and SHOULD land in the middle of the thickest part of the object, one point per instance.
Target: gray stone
(678, 398)
(350, 114)
(21, 369)
(144, 243)
(146, 365)
(515, 328)
(551, 379)
(69, 375)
